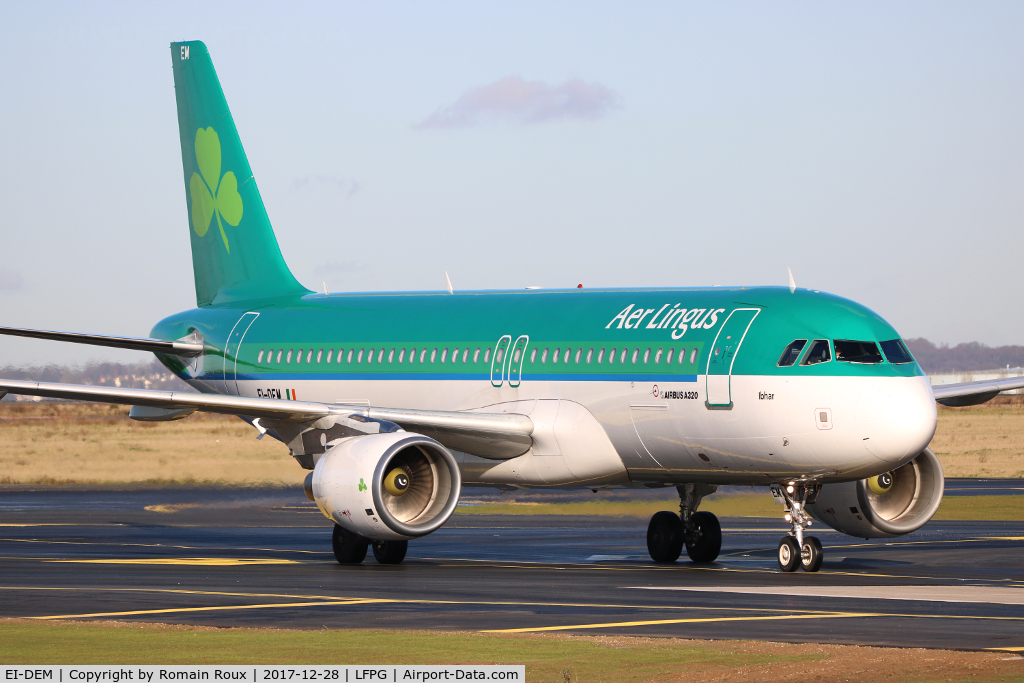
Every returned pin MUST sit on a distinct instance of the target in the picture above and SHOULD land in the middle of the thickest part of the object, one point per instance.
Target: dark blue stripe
(568, 377)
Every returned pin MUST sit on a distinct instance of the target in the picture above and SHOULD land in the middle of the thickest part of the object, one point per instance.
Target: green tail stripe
(235, 255)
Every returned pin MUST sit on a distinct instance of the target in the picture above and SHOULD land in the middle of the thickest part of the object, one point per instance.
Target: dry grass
(559, 658)
(981, 441)
(95, 443)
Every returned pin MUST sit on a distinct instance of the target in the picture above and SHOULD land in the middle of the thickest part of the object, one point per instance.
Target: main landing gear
(796, 550)
(350, 548)
(699, 532)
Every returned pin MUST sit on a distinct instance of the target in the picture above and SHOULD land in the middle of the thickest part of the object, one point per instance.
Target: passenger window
(568, 352)
(401, 356)
(533, 356)
(319, 355)
(818, 353)
(896, 352)
(288, 359)
(259, 358)
(369, 356)
(380, 355)
(444, 355)
(600, 356)
(279, 352)
(622, 358)
(657, 357)
(309, 356)
(360, 357)
(554, 358)
(298, 356)
(693, 356)
(579, 352)
(487, 355)
(516, 355)
(857, 351)
(636, 353)
(499, 355)
(590, 356)
(647, 356)
(423, 355)
(465, 354)
(433, 356)
(544, 356)
(455, 355)
(391, 356)
(611, 356)
(476, 356)
(792, 353)
(350, 352)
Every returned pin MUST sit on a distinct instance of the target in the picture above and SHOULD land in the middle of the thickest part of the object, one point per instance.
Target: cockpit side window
(896, 351)
(792, 353)
(857, 351)
(818, 353)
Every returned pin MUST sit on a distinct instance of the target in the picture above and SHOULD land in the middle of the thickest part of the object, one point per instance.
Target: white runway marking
(983, 594)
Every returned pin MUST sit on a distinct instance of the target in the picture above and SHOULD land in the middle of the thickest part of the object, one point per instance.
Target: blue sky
(875, 148)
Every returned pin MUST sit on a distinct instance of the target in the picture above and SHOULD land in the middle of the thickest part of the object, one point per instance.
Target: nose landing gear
(797, 550)
(699, 532)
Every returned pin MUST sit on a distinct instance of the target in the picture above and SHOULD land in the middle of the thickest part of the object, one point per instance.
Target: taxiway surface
(262, 558)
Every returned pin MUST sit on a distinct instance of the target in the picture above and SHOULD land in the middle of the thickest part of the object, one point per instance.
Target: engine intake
(890, 504)
(385, 487)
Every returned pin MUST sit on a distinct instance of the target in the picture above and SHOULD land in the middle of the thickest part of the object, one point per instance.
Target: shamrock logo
(213, 194)
(362, 486)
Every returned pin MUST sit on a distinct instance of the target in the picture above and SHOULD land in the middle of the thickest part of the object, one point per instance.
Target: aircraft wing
(187, 346)
(973, 393)
(492, 435)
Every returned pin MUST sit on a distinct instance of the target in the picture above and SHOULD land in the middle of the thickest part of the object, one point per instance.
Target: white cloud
(11, 281)
(519, 101)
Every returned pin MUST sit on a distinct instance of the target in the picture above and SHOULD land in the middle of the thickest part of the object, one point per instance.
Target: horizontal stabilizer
(187, 347)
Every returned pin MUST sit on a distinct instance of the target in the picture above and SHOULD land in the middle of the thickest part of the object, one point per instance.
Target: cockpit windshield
(857, 351)
(792, 353)
(896, 351)
(818, 353)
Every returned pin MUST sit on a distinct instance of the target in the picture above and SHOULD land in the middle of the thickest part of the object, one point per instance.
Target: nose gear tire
(708, 542)
(390, 552)
(789, 554)
(811, 554)
(349, 548)
(665, 537)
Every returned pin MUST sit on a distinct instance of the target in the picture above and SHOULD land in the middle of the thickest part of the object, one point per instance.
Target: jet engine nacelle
(387, 487)
(891, 504)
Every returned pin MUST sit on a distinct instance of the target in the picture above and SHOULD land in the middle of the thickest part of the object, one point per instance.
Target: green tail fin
(235, 255)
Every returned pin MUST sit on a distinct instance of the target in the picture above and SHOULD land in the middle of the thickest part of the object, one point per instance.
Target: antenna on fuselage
(448, 282)
(792, 282)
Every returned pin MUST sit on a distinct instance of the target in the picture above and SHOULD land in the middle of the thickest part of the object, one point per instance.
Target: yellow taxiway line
(657, 622)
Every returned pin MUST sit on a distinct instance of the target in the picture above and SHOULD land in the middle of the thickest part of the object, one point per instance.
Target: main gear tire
(665, 537)
(708, 542)
(349, 547)
(390, 552)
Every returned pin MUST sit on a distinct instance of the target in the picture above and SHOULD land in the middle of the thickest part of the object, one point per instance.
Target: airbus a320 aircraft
(395, 401)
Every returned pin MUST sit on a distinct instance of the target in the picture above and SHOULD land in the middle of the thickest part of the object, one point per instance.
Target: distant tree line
(147, 375)
(967, 357)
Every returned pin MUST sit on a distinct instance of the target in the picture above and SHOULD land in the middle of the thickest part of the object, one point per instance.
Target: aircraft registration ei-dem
(395, 401)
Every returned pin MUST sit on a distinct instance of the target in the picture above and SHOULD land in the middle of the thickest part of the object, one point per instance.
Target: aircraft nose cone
(897, 419)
